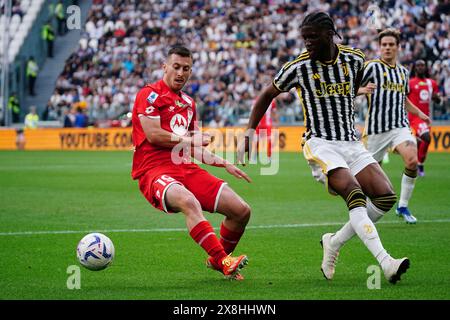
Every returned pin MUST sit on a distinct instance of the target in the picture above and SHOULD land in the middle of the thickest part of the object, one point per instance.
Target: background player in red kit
(163, 118)
(268, 121)
(422, 90)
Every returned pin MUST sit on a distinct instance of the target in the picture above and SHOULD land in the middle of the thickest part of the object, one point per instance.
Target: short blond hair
(389, 33)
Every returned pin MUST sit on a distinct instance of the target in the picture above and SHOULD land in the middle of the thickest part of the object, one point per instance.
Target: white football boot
(330, 256)
(395, 268)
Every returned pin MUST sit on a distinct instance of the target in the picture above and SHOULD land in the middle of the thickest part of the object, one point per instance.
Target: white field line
(272, 226)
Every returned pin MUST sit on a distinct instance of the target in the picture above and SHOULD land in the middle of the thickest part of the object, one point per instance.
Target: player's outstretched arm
(258, 111)
(238, 173)
(207, 157)
(158, 136)
(416, 111)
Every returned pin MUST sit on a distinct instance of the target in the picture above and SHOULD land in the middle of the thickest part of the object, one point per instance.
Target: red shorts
(419, 126)
(205, 187)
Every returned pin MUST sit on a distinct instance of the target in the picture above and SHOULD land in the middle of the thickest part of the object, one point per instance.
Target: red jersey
(266, 120)
(420, 93)
(176, 113)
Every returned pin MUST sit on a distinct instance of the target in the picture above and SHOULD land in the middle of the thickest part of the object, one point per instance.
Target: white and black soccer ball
(95, 251)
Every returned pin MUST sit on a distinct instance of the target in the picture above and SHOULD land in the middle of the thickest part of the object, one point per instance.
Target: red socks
(203, 234)
(229, 239)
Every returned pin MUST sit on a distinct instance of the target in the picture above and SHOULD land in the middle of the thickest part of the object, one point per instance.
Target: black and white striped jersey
(387, 102)
(326, 92)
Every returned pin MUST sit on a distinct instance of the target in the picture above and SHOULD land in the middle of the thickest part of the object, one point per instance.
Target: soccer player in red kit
(267, 121)
(163, 128)
(422, 90)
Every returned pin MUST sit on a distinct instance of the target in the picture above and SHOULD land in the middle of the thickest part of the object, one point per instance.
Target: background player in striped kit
(422, 89)
(387, 125)
(327, 77)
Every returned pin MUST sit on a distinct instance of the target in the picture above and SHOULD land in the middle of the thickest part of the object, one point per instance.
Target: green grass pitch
(50, 200)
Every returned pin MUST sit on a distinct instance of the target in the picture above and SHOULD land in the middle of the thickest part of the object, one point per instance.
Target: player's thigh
(324, 157)
(179, 198)
(342, 181)
(378, 145)
(405, 145)
(154, 186)
(231, 204)
(356, 156)
(373, 181)
(324, 154)
(205, 187)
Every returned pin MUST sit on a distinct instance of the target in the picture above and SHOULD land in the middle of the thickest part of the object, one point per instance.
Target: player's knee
(246, 211)
(384, 202)
(411, 162)
(356, 198)
(241, 212)
(411, 165)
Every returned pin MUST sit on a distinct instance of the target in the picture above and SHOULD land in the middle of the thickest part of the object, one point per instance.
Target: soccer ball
(95, 251)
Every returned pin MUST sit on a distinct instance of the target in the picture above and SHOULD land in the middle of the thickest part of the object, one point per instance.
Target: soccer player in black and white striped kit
(386, 85)
(327, 77)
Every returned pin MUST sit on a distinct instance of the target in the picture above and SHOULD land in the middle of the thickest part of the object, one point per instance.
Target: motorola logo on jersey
(179, 124)
(424, 95)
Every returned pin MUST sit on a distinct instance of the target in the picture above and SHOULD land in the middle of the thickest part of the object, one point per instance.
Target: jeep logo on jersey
(179, 124)
(152, 97)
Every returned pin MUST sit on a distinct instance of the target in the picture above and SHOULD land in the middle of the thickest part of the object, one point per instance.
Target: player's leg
(349, 188)
(237, 214)
(423, 139)
(334, 158)
(408, 150)
(163, 189)
(377, 146)
(212, 193)
(380, 199)
(178, 198)
(422, 151)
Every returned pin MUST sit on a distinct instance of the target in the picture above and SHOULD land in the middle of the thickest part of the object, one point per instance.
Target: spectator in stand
(125, 41)
(69, 118)
(81, 119)
(32, 119)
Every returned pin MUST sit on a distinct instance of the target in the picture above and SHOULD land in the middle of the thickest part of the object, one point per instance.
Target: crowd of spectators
(238, 47)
